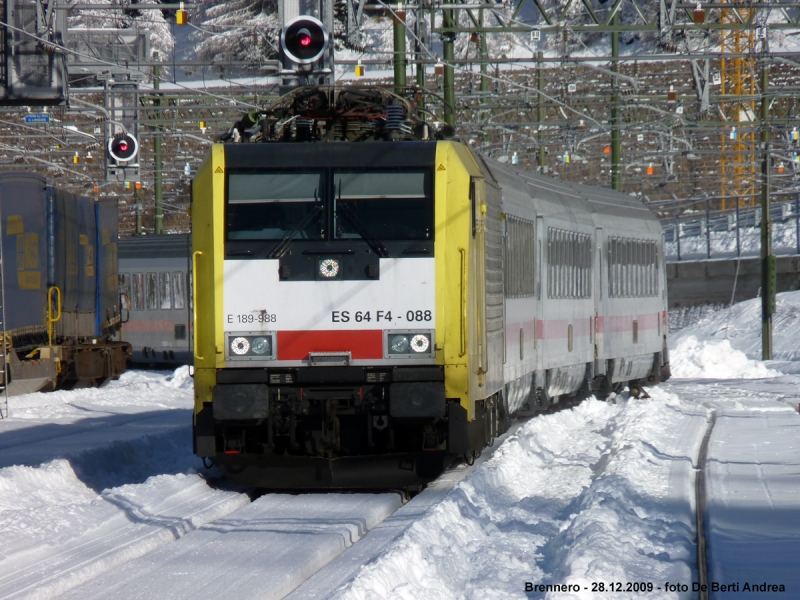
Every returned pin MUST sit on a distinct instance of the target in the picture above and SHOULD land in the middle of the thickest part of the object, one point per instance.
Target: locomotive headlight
(398, 344)
(240, 346)
(329, 268)
(409, 344)
(251, 345)
(260, 345)
(420, 343)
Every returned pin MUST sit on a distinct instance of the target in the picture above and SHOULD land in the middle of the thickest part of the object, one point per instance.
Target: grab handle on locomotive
(51, 320)
(194, 299)
(464, 297)
(125, 302)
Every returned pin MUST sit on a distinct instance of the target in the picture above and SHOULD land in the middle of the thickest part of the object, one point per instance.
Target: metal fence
(731, 233)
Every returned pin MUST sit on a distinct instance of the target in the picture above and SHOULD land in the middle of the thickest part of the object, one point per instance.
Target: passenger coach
(365, 311)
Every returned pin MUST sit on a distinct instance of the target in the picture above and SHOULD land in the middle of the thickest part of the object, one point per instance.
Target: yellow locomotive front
(338, 312)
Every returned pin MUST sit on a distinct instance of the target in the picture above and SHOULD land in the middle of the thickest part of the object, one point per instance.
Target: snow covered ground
(100, 496)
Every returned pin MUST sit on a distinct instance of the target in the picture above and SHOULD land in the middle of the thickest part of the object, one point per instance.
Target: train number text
(379, 316)
(259, 317)
(361, 316)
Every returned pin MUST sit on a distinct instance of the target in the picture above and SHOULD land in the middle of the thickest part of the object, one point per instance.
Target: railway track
(180, 535)
(700, 511)
(133, 542)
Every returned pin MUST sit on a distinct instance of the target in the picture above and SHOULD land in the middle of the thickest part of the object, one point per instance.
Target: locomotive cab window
(385, 205)
(271, 206)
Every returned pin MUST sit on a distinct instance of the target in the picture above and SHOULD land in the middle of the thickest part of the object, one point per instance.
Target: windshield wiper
(347, 212)
(283, 245)
(349, 215)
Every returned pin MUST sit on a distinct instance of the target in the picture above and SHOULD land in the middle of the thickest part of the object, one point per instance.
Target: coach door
(488, 255)
(599, 296)
(540, 275)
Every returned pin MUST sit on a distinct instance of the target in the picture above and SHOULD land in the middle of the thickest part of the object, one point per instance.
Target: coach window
(654, 269)
(125, 290)
(137, 298)
(519, 278)
(651, 263)
(642, 269)
(164, 291)
(626, 268)
(385, 205)
(631, 268)
(179, 289)
(151, 291)
(271, 206)
(569, 264)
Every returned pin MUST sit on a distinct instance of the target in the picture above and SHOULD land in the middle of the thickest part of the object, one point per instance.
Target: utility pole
(448, 54)
(137, 203)
(159, 212)
(768, 283)
(484, 55)
(421, 31)
(399, 19)
(542, 161)
(616, 143)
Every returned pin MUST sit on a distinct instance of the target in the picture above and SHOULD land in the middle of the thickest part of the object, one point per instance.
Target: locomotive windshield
(385, 205)
(270, 206)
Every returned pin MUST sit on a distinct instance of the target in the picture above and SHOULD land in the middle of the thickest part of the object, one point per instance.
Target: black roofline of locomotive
(279, 155)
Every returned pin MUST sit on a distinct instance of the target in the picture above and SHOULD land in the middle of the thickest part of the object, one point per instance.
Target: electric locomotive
(365, 312)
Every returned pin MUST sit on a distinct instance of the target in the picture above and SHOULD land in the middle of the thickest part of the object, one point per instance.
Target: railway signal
(304, 42)
(123, 148)
(306, 52)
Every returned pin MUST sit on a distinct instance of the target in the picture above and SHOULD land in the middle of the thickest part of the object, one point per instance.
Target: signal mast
(306, 50)
(306, 54)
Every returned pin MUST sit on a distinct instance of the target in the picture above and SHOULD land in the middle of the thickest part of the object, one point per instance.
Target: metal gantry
(679, 120)
(738, 82)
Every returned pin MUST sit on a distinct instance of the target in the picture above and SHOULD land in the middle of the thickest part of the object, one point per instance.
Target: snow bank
(180, 379)
(691, 358)
(134, 391)
(587, 494)
(117, 479)
(741, 326)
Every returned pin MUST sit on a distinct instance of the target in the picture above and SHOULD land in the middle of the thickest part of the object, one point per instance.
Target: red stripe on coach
(295, 345)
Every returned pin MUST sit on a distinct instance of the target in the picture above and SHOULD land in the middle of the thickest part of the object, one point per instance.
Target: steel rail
(700, 509)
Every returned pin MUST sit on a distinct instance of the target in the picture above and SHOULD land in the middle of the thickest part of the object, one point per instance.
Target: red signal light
(303, 41)
(123, 147)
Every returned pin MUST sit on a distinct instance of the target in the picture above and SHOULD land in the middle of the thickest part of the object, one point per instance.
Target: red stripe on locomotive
(362, 344)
